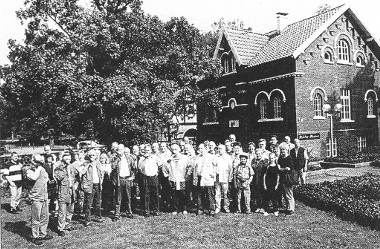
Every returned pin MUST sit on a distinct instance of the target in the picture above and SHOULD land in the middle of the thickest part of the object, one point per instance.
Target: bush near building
(369, 154)
(354, 198)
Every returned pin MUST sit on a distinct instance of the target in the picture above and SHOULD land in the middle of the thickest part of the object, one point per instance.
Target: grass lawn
(308, 228)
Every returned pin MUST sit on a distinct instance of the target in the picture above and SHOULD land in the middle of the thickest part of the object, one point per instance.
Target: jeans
(206, 198)
(179, 200)
(40, 218)
(150, 193)
(16, 192)
(221, 191)
(247, 199)
(65, 214)
(89, 199)
(123, 196)
(289, 198)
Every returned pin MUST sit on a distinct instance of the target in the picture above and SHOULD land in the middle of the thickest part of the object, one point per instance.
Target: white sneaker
(174, 213)
(184, 212)
(217, 210)
(265, 213)
(276, 213)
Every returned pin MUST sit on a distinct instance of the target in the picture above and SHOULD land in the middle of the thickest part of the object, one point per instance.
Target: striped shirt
(13, 172)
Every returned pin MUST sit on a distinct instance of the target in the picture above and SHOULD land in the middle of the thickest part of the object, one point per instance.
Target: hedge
(354, 198)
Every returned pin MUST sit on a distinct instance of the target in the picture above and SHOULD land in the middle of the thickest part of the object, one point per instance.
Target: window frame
(343, 51)
(318, 107)
(346, 105)
(328, 148)
(263, 109)
(361, 143)
(277, 108)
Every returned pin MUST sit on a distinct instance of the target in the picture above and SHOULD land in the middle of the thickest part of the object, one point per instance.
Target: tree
(109, 72)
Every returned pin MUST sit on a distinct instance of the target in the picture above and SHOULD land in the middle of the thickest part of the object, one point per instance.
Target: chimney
(280, 15)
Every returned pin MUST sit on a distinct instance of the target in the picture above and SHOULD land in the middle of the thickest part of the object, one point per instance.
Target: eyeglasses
(91, 155)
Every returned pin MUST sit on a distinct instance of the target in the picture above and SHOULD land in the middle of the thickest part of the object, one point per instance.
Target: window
(361, 142)
(346, 105)
(263, 109)
(232, 63)
(317, 103)
(228, 62)
(277, 107)
(370, 112)
(360, 61)
(343, 51)
(328, 57)
(328, 148)
(224, 61)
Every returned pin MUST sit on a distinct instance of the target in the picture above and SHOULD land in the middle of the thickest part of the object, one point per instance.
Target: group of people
(157, 177)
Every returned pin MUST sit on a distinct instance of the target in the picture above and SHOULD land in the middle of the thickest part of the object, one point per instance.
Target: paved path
(339, 173)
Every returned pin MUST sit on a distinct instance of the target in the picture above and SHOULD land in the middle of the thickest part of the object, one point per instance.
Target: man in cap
(39, 196)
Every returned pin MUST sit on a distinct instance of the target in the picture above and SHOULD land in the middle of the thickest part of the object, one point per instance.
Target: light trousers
(289, 198)
(221, 190)
(65, 214)
(16, 192)
(40, 218)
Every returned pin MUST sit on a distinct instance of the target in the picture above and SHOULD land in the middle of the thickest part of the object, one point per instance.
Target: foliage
(108, 72)
(366, 155)
(322, 8)
(356, 198)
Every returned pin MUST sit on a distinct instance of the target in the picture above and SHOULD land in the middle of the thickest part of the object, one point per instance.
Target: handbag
(291, 178)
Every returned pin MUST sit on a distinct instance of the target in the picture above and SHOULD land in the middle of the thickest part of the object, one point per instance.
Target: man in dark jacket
(300, 160)
(122, 176)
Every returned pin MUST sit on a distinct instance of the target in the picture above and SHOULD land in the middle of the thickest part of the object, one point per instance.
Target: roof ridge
(323, 13)
(244, 30)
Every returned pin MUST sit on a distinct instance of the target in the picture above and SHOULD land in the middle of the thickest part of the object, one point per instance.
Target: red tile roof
(291, 38)
(246, 43)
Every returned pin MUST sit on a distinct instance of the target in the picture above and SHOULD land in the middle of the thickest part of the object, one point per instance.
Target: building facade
(280, 82)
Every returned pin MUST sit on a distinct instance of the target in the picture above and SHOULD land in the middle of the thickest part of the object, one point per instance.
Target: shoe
(61, 233)
(99, 220)
(199, 212)
(47, 237)
(257, 210)
(14, 211)
(227, 211)
(289, 212)
(36, 241)
(87, 224)
(217, 210)
(130, 216)
(265, 213)
(147, 215)
(19, 209)
(184, 212)
(276, 213)
(69, 228)
(115, 219)
(174, 213)
(248, 212)
(156, 213)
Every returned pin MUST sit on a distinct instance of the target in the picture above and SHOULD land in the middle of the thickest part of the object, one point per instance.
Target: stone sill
(328, 165)
(270, 120)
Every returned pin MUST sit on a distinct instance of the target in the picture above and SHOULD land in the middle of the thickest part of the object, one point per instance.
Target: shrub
(366, 155)
(354, 198)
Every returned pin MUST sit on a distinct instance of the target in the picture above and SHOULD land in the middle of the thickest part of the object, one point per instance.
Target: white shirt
(95, 176)
(124, 168)
(224, 167)
(149, 165)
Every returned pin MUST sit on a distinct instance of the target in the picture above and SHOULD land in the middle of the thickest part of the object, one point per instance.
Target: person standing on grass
(106, 185)
(79, 164)
(67, 183)
(149, 166)
(235, 162)
(189, 188)
(286, 168)
(271, 184)
(122, 178)
(224, 171)
(38, 194)
(177, 169)
(257, 190)
(91, 176)
(300, 160)
(52, 184)
(13, 174)
(165, 189)
(244, 176)
(204, 180)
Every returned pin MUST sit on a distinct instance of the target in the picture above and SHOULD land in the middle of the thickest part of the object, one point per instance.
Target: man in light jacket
(224, 172)
(204, 180)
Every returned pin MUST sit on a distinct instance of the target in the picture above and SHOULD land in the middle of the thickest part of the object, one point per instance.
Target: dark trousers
(150, 193)
(165, 190)
(257, 194)
(89, 199)
(179, 200)
(233, 196)
(206, 198)
(272, 195)
(107, 194)
(124, 196)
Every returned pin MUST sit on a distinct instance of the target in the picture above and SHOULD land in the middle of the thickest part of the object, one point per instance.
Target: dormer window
(328, 57)
(360, 61)
(228, 62)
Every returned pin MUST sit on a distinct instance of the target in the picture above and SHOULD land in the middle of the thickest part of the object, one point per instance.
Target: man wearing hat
(244, 176)
(39, 196)
(66, 175)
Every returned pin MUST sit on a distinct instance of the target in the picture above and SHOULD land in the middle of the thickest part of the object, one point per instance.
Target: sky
(259, 15)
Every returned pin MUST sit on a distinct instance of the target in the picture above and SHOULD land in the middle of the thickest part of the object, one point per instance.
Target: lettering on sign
(223, 94)
(309, 136)
(233, 123)
(242, 91)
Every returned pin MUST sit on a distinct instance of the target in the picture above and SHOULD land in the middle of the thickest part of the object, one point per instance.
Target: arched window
(224, 60)
(232, 62)
(317, 103)
(370, 106)
(263, 109)
(343, 51)
(360, 61)
(277, 108)
(328, 56)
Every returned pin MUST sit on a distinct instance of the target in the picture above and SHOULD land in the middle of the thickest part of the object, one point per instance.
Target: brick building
(278, 82)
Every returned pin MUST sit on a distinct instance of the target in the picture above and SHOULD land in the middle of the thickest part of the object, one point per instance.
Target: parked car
(89, 144)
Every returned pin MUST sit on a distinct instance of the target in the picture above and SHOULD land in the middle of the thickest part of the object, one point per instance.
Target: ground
(308, 228)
